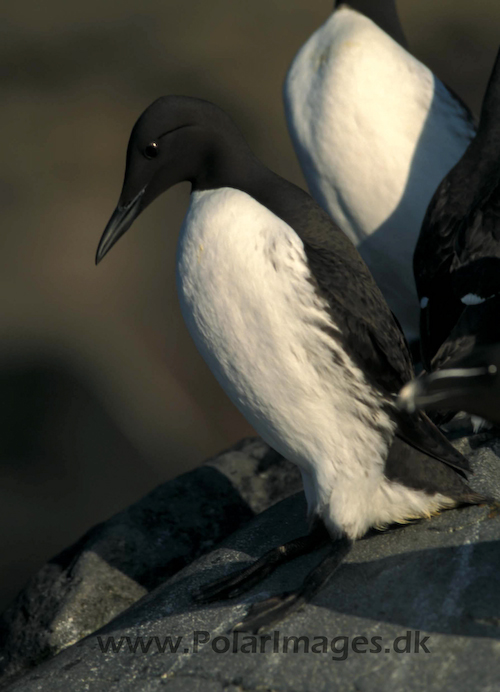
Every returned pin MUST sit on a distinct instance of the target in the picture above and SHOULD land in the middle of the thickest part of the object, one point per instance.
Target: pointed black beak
(121, 220)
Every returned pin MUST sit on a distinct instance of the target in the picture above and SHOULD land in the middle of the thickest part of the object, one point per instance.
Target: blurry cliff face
(103, 393)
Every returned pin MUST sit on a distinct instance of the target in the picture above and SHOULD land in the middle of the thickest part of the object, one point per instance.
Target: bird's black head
(177, 138)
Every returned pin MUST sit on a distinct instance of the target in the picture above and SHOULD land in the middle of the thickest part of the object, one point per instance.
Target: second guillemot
(292, 325)
(457, 270)
(375, 131)
(457, 257)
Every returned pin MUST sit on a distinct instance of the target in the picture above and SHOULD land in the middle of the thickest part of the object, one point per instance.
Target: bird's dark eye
(151, 150)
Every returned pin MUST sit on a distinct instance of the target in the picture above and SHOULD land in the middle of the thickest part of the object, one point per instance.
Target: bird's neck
(225, 163)
(481, 160)
(488, 134)
(382, 12)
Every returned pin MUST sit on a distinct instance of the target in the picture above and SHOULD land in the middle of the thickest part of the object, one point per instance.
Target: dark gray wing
(419, 432)
(368, 330)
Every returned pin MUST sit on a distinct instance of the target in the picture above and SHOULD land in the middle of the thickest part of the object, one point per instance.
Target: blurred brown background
(103, 395)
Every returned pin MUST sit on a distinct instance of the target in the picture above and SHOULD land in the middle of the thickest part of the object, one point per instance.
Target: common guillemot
(291, 323)
(375, 131)
(457, 257)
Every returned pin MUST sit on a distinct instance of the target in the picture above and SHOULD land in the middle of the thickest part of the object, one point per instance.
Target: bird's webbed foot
(243, 580)
(265, 614)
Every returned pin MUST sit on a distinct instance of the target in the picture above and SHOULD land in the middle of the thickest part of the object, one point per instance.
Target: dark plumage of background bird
(457, 257)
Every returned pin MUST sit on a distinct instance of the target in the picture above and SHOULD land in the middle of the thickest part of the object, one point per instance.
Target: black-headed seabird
(375, 131)
(457, 257)
(291, 323)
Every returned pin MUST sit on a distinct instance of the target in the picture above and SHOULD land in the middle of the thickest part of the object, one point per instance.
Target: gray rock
(120, 560)
(483, 451)
(261, 476)
(432, 586)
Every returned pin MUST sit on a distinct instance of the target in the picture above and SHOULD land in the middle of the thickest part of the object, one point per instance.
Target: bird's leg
(243, 580)
(265, 614)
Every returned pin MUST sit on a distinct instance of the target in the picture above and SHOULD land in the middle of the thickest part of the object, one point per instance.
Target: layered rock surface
(414, 608)
(117, 562)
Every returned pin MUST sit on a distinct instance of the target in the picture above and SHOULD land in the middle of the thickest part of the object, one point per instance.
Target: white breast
(375, 133)
(245, 295)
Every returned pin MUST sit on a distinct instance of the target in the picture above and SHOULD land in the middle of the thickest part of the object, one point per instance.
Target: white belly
(375, 133)
(243, 289)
